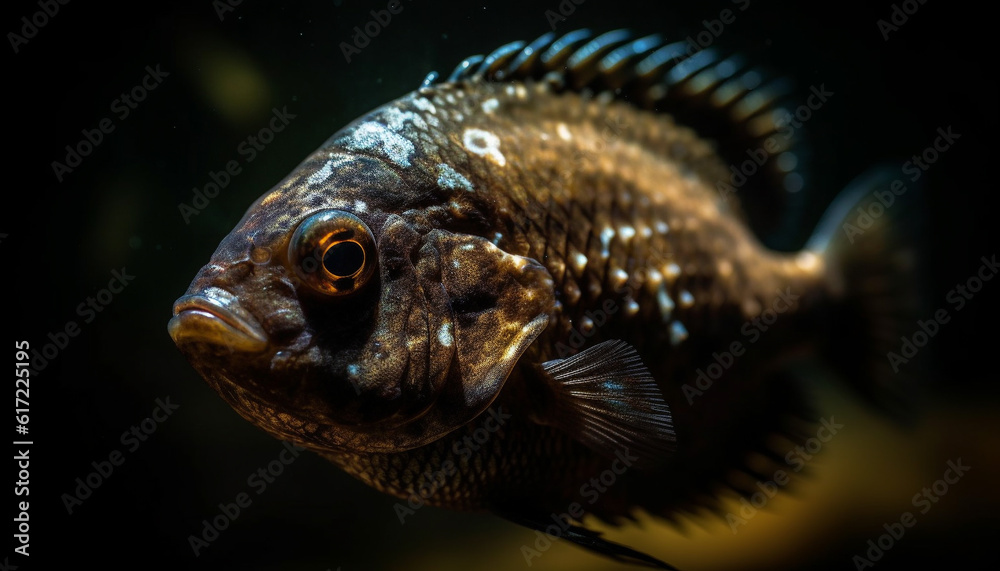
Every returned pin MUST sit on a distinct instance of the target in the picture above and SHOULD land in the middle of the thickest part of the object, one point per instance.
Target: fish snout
(215, 316)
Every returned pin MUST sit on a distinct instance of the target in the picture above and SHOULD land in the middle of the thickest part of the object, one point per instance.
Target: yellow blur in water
(862, 478)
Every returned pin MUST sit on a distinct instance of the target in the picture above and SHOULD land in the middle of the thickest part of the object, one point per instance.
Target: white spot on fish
(497, 237)
(586, 325)
(563, 132)
(579, 262)
(606, 235)
(686, 299)
(444, 335)
(353, 370)
(653, 277)
(321, 175)
(360, 206)
(666, 304)
(673, 270)
(450, 178)
(807, 261)
(631, 307)
(678, 333)
(374, 137)
(424, 104)
(397, 120)
(484, 144)
(490, 105)
(662, 227)
(626, 232)
(468, 247)
(619, 276)
(336, 159)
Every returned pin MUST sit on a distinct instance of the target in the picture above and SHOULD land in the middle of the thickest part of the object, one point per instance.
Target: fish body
(496, 288)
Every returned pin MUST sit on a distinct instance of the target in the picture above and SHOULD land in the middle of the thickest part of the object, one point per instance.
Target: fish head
(342, 313)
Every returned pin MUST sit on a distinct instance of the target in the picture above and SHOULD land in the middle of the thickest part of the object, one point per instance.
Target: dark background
(119, 209)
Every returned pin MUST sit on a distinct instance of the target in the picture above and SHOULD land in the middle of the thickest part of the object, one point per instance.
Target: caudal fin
(869, 237)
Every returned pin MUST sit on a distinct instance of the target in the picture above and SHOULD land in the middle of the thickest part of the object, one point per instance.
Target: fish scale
(535, 233)
(594, 205)
(537, 230)
(544, 242)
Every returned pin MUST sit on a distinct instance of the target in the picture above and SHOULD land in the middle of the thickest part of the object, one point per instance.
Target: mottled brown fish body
(618, 205)
(488, 293)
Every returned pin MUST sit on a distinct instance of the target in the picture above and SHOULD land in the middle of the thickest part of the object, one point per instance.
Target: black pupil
(344, 259)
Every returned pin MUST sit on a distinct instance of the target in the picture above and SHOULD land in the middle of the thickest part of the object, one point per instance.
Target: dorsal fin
(721, 97)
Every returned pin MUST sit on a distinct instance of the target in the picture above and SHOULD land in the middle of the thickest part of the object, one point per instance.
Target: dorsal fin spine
(719, 95)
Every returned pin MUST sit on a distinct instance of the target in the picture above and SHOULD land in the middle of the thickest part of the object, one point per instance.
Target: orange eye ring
(333, 252)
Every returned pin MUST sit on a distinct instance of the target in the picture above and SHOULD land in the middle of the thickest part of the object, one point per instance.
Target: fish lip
(215, 316)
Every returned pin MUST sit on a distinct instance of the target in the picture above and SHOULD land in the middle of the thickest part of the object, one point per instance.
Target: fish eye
(333, 252)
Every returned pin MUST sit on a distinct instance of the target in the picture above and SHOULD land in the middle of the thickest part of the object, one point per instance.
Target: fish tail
(869, 239)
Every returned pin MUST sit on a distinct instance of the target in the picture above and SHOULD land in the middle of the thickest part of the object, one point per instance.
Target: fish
(542, 270)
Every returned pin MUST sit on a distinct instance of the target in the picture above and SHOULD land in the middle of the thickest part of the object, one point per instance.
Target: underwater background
(213, 74)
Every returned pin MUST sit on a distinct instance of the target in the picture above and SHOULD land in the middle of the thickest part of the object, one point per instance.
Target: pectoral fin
(606, 398)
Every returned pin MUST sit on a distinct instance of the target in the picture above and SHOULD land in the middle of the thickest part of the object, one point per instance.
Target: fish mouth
(215, 316)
